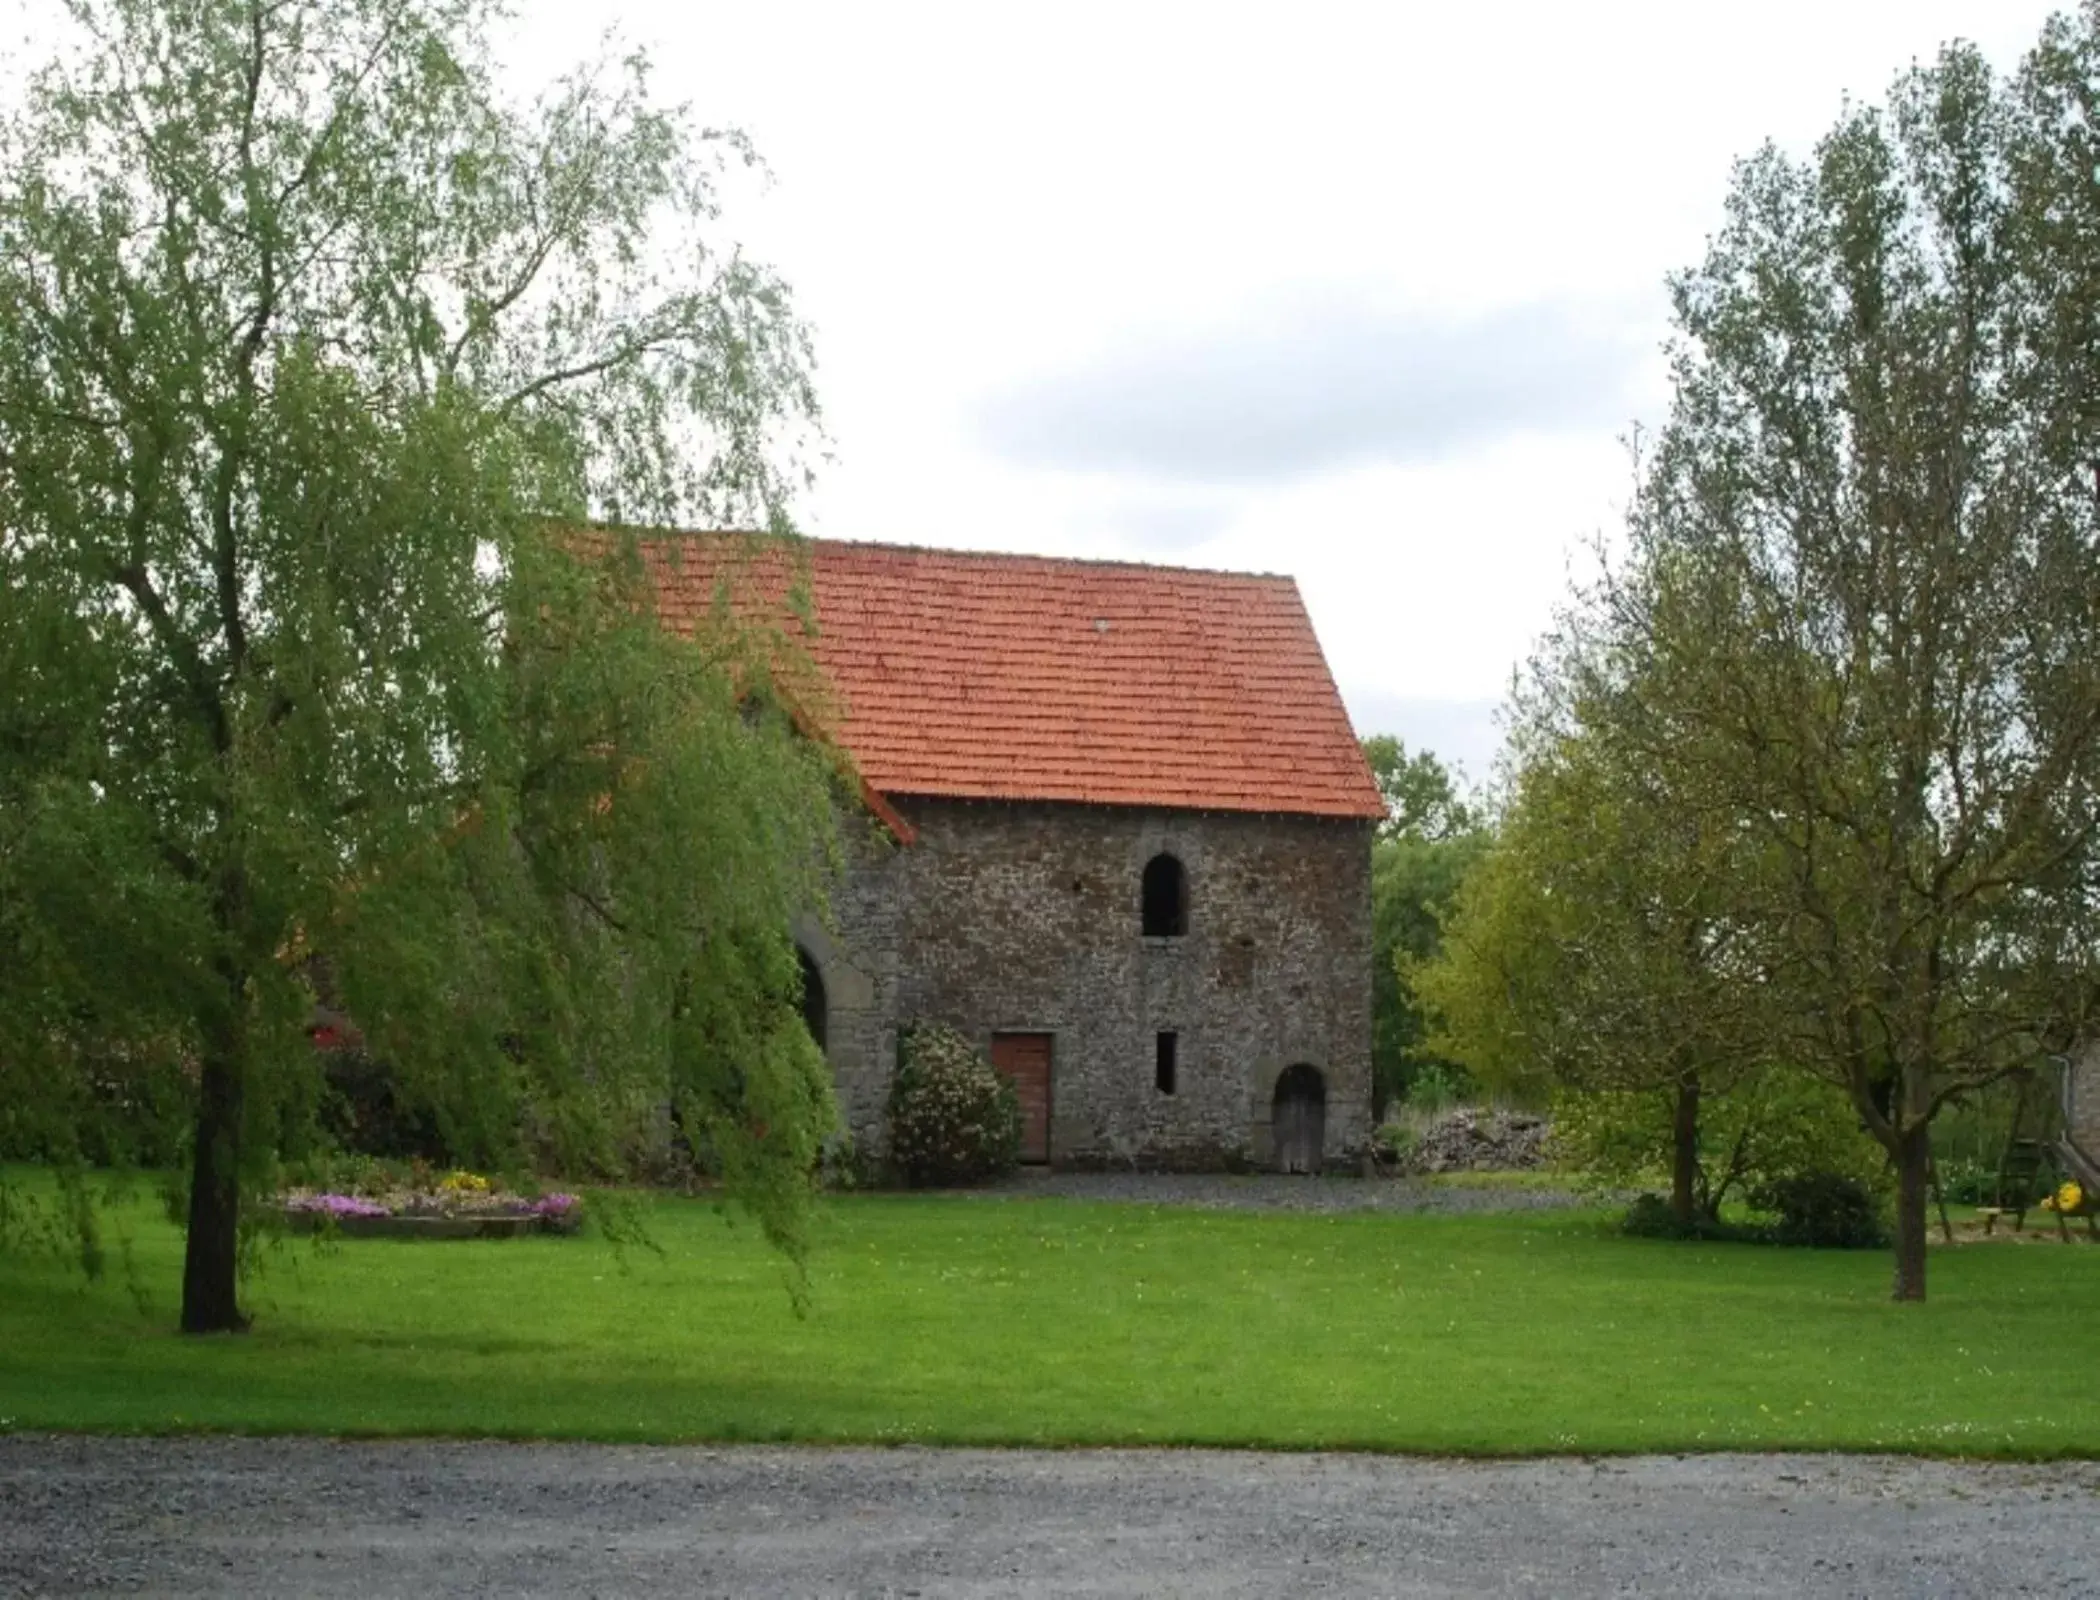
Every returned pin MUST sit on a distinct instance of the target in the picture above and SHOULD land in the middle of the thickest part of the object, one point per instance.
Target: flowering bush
(463, 1182)
(2067, 1199)
(953, 1119)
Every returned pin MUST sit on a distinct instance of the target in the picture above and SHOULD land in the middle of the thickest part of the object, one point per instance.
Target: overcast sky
(1366, 294)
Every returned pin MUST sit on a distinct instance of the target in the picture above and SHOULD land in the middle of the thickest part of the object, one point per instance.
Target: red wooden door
(1025, 1059)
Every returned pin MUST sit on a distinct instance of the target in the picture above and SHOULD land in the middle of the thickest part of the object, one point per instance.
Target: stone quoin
(1123, 845)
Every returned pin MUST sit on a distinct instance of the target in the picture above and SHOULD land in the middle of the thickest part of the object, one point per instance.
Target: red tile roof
(1002, 677)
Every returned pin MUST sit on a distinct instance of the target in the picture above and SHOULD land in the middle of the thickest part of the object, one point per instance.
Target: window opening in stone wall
(1165, 1048)
(813, 1007)
(1166, 905)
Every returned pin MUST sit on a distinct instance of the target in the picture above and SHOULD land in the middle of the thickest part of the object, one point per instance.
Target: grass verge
(1046, 1322)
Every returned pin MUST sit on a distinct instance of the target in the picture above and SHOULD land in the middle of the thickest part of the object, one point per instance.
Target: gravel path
(305, 1517)
(1275, 1192)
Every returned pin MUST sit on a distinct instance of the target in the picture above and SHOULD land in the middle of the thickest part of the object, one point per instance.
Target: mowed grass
(953, 1320)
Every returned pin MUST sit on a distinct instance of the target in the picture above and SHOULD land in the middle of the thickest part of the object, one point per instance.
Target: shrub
(952, 1118)
(1651, 1217)
(1779, 1124)
(1823, 1210)
(1393, 1142)
(1438, 1086)
(1820, 1210)
(843, 1164)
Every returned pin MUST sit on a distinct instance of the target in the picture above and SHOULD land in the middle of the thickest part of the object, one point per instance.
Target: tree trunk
(212, 1253)
(1684, 1155)
(1913, 1154)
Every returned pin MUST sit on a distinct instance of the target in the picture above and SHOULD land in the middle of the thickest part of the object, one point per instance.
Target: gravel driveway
(312, 1517)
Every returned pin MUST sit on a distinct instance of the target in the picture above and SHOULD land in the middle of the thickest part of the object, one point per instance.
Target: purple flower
(554, 1205)
(336, 1205)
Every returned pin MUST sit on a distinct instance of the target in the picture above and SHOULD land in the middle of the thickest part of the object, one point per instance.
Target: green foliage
(1976, 1127)
(1595, 945)
(1823, 1211)
(1809, 1210)
(952, 1118)
(1438, 1086)
(1393, 1142)
(1424, 799)
(1650, 1216)
(310, 343)
(1493, 973)
(1770, 1128)
(363, 1113)
(1422, 854)
(1964, 1182)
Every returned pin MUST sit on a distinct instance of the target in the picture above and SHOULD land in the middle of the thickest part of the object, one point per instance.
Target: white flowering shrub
(953, 1119)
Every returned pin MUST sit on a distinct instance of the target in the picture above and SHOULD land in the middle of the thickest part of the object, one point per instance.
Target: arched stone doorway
(1298, 1119)
(813, 1002)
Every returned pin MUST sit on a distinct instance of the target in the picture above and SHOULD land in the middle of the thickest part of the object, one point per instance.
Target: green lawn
(1052, 1322)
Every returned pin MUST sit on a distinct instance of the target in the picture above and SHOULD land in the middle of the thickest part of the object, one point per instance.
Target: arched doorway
(813, 1006)
(1298, 1119)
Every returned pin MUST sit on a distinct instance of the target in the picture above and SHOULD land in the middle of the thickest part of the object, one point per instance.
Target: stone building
(1124, 844)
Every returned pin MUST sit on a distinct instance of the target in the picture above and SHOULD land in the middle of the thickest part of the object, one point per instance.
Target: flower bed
(463, 1205)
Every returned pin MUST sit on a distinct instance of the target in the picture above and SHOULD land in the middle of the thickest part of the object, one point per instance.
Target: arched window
(812, 996)
(1166, 898)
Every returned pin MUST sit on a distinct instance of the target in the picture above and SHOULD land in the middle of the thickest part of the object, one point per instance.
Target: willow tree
(308, 336)
(1866, 574)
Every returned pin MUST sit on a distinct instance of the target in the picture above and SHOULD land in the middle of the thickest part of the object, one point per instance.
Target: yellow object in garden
(2070, 1197)
(464, 1182)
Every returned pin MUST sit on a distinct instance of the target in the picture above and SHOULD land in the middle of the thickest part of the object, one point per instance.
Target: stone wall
(2084, 1101)
(1025, 918)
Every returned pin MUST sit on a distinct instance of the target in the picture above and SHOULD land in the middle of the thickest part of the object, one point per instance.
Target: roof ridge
(1016, 557)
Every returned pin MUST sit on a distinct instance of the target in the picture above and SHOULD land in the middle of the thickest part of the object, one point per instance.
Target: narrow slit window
(1165, 1048)
(1165, 899)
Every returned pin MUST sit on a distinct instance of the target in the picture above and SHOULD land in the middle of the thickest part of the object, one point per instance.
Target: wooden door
(1025, 1059)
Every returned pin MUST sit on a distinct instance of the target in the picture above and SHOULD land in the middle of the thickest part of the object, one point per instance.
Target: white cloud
(1325, 381)
(1463, 734)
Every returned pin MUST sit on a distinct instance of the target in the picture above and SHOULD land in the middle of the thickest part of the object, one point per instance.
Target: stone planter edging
(426, 1227)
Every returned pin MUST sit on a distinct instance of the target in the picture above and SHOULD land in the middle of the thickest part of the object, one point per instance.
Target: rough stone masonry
(1025, 917)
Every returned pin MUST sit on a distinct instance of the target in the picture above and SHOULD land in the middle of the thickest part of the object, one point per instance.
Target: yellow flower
(2070, 1197)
